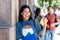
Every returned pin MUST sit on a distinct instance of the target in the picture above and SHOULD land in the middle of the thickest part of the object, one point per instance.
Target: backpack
(56, 20)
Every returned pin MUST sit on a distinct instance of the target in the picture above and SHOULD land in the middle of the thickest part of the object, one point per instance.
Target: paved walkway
(57, 33)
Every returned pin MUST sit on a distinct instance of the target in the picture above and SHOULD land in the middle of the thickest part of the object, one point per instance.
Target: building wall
(10, 32)
(5, 19)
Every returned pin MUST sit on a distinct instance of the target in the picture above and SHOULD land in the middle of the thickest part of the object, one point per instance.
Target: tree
(50, 2)
(40, 3)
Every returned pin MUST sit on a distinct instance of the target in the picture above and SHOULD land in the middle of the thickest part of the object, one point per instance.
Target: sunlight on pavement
(57, 33)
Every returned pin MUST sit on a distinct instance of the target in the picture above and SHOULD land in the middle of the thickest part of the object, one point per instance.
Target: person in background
(42, 23)
(52, 19)
(25, 29)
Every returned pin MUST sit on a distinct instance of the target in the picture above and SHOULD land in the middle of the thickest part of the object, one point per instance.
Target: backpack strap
(55, 17)
(56, 20)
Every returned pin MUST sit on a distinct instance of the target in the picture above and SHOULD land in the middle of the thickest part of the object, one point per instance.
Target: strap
(55, 17)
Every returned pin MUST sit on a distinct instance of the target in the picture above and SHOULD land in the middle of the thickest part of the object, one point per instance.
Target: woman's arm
(18, 32)
(39, 28)
(44, 27)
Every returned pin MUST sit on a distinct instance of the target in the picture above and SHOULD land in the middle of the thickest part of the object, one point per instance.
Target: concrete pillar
(15, 10)
(22, 2)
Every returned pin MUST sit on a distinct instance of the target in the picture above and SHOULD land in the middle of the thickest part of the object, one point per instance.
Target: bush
(59, 15)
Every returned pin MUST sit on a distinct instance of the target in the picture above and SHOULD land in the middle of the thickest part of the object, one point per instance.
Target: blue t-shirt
(19, 26)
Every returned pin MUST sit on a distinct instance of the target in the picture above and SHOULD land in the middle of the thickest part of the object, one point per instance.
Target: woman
(25, 29)
(42, 22)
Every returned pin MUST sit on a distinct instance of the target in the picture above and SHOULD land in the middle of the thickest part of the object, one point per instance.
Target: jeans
(49, 35)
(43, 37)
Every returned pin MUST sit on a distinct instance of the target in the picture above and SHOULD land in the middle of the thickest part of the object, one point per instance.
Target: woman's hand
(45, 22)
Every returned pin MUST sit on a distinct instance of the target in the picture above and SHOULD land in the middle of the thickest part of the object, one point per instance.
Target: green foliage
(59, 16)
(50, 2)
(40, 3)
(46, 0)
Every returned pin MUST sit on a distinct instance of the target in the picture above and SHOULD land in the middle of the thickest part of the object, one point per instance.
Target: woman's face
(26, 14)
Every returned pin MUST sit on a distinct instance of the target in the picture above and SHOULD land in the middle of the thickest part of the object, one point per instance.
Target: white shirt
(26, 31)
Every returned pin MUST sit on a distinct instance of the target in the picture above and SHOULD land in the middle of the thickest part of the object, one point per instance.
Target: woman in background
(42, 22)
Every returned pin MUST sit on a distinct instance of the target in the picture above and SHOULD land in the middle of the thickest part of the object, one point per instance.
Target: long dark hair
(20, 18)
(37, 12)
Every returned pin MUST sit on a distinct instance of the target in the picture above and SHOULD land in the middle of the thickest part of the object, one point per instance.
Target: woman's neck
(25, 20)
